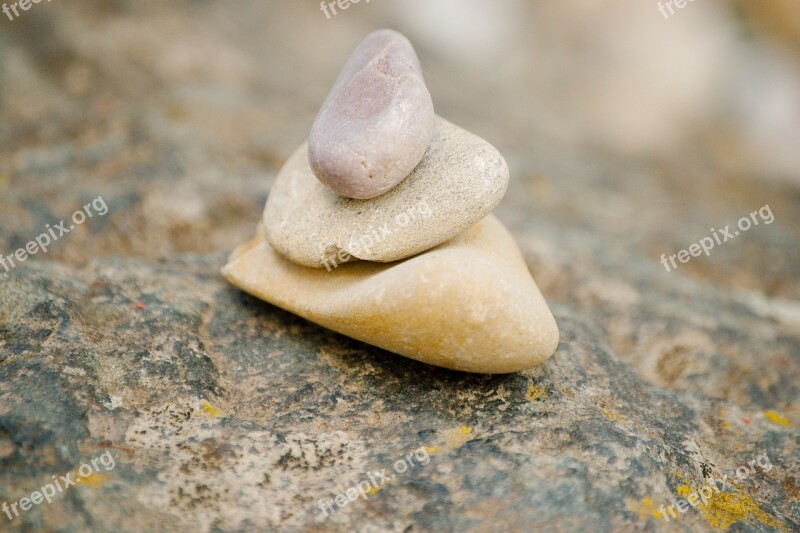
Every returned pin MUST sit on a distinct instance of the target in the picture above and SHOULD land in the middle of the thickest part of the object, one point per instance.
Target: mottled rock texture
(458, 182)
(179, 114)
(377, 121)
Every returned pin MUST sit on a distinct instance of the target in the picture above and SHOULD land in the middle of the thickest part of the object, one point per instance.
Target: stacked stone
(380, 228)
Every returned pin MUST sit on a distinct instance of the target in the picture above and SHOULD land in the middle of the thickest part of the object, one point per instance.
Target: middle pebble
(458, 182)
(377, 121)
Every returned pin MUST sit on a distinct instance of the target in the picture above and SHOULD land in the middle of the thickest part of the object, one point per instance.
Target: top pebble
(376, 123)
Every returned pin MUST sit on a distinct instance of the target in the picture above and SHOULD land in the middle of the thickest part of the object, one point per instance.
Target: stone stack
(380, 228)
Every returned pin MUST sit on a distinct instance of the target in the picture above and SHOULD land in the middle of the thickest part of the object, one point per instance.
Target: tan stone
(459, 181)
(469, 304)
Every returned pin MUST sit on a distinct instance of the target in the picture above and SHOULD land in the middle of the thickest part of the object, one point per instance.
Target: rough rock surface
(459, 181)
(377, 121)
(112, 341)
(468, 304)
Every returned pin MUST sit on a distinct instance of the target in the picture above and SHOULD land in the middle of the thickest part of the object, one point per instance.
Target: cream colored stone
(458, 182)
(469, 304)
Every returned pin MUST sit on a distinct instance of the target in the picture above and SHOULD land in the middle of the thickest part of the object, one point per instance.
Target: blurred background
(642, 129)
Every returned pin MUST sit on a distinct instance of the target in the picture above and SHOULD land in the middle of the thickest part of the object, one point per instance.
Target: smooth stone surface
(457, 183)
(469, 304)
(377, 121)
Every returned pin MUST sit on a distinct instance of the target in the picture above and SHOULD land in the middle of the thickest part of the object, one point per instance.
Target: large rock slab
(227, 413)
(469, 304)
(457, 183)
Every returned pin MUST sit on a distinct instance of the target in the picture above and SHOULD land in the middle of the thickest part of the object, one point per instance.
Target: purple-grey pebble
(377, 121)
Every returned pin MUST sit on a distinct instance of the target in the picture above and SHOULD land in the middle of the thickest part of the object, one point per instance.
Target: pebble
(469, 304)
(459, 181)
(377, 121)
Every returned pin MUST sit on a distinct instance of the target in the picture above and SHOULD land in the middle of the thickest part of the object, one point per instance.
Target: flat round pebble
(458, 182)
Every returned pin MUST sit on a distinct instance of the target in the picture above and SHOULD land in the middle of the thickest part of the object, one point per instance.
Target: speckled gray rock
(377, 121)
(225, 413)
(458, 182)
